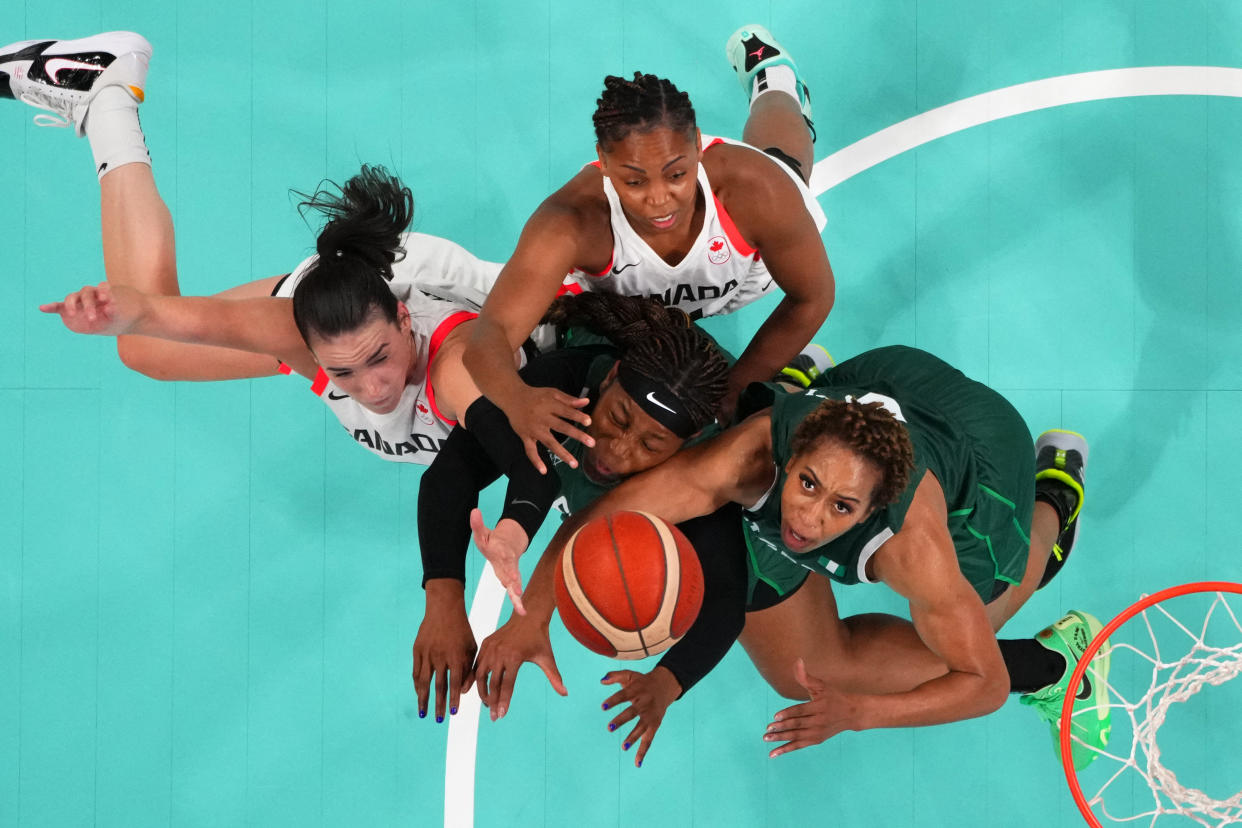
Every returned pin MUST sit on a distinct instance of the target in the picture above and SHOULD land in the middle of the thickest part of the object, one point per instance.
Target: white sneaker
(63, 76)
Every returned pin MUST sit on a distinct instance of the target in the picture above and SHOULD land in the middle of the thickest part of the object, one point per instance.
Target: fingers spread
(626, 715)
(553, 445)
(547, 663)
(616, 698)
(647, 737)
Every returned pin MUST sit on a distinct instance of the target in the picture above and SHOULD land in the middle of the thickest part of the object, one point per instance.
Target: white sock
(114, 132)
(779, 78)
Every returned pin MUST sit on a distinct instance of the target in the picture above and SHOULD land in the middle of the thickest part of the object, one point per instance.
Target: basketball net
(1174, 679)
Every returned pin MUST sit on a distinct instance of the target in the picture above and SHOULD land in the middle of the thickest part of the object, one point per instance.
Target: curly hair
(643, 103)
(658, 342)
(869, 430)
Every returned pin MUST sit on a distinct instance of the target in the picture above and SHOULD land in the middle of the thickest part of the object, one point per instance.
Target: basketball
(628, 585)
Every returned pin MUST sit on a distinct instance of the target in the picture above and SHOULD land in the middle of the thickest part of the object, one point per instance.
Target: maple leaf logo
(716, 245)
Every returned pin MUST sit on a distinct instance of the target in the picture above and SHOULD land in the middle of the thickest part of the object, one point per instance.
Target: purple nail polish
(640, 763)
(626, 746)
(604, 705)
(453, 710)
(439, 719)
(611, 728)
(422, 714)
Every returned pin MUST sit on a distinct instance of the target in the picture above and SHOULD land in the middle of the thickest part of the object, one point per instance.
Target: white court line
(826, 174)
(1017, 100)
(464, 727)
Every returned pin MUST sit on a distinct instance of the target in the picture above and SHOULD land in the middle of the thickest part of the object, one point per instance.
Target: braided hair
(642, 104)
(657, 342)
(869, 430)
(357, 247)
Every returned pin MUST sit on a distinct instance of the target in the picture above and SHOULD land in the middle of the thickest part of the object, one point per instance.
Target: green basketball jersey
(966, 434)
(578, 490)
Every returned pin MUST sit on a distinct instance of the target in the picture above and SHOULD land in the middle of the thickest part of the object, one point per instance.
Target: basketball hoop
(1174, 680)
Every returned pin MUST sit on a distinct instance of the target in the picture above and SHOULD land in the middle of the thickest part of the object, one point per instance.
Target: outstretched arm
(261, 325)
(526, 286)
(694, 482)
(920, 563)
(718, 541)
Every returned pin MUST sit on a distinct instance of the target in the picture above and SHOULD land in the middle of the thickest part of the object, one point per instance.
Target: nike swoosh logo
(529, 503)
(617, 270)
(56, 65)
(651, 399)
(332, 395)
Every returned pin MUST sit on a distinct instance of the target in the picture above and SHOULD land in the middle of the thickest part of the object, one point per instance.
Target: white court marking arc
(827, 173)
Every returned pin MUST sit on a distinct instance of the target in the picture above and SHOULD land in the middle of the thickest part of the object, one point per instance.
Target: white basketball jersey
(720, 274)
(414, 431)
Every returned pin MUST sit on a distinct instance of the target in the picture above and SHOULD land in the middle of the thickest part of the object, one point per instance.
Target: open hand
(649, 695)
(543, 411)
(502, 547)
(503, 653)
(828, 713)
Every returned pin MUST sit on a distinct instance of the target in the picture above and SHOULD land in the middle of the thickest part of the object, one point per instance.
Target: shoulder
(580, 199)
(740, 457)
(923, 546)
(447, 375)
(575, 218)
(762, 200)
(744, 174)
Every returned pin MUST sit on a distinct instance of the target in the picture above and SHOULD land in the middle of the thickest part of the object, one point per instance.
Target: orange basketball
(628, 585)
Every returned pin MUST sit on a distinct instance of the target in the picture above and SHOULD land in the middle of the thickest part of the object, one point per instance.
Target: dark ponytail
(357, 248)
(658, 342)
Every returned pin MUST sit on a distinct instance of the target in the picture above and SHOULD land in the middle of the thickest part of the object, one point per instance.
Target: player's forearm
(489, 359)
(539, 596)
(717, 540)
(789, 328)
(447, 493)
(262, 326)
(950, 698)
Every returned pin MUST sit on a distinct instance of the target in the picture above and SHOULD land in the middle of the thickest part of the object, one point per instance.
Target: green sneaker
(1060, 469)
(1092, 721)
(810, 362)
(750, 50)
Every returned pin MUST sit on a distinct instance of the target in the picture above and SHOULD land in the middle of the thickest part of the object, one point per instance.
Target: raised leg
(780, 103)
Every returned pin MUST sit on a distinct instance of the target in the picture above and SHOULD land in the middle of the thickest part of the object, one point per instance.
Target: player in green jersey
(893, 467)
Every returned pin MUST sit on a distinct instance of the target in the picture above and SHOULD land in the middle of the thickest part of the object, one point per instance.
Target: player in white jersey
(722, 270)
(358, 317)
(664, 213)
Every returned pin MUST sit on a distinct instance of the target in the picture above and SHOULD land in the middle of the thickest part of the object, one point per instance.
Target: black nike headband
(665, 407)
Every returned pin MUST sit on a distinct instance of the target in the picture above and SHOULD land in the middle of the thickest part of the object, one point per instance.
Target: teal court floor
(208, 596)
